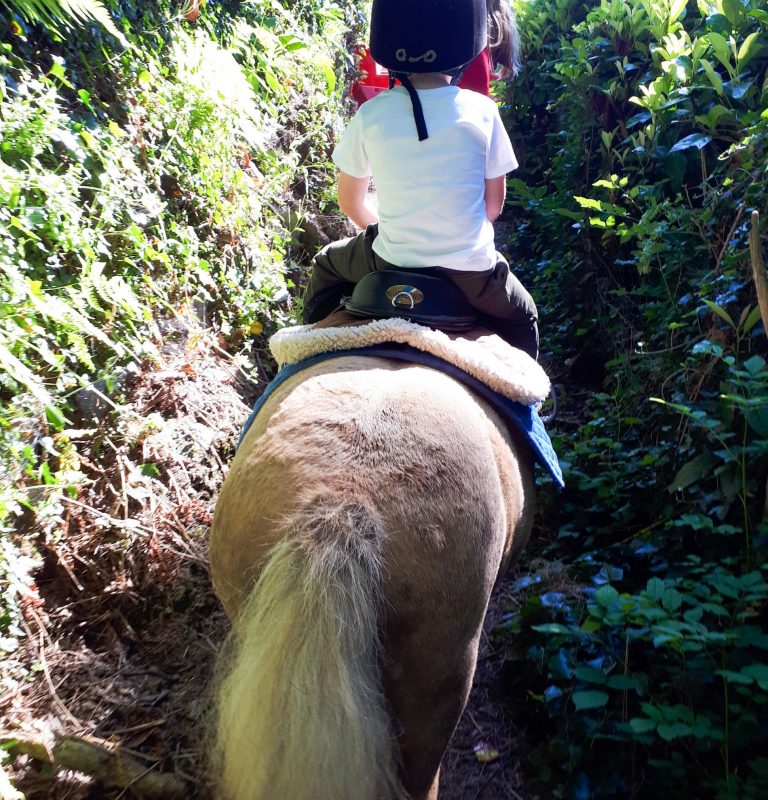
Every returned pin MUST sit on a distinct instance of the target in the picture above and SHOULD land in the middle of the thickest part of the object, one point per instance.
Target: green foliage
(136, 186)
(55, 13)
(643, 129)
(652, 691)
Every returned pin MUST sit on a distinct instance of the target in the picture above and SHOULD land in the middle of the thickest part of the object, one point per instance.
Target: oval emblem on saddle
(426, 299)
(406, 296)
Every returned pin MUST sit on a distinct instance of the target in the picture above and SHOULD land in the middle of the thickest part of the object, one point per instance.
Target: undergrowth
(157, 174)
(643, 129)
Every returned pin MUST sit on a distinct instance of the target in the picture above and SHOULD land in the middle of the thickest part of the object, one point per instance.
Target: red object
(477, 76)
(374, 78)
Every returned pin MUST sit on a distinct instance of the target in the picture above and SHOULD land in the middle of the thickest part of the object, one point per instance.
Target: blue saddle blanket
(525, 419)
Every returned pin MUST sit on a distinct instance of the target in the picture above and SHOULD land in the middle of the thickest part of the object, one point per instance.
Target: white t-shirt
(431, 194)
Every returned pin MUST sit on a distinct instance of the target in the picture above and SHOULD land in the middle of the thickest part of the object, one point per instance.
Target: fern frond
(53, 13)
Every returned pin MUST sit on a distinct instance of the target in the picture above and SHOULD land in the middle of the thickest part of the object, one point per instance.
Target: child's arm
(495, 193)
(352, 194)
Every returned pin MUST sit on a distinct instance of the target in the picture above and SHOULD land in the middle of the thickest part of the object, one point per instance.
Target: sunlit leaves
(58, 14)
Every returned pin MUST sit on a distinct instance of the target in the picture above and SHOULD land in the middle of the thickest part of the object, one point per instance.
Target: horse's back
(435, 463)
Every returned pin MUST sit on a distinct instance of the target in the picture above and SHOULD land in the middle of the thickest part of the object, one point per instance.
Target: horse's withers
(385, 499)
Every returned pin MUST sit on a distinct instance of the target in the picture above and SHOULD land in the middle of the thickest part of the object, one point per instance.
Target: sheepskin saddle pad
(509, 379)
(480, 353)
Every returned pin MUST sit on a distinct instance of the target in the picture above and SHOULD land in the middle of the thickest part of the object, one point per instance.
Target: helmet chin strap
(418, 111)
(457, 74)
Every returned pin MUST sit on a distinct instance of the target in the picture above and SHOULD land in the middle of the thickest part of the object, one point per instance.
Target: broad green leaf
(697, 140)
(736, 677)
(642, 725)
(674, 730)
(721, 312)
(693, 471)
(606, 595)
(713, 75)
(672, 600)
(551, 627)
(752, 319)
(750, 47)
(759, 672)
(655, 588)
(589, 202)
(757, 419)
(591, 698)
(676, 9)
(754, 365)
(722, 50)
(718, 23)
(699, 522)
(738, 90)
(733, 9)
(622, 682)
(55, 417)
(590, 675)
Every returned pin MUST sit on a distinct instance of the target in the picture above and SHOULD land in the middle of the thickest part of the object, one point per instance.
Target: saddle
(395, 318)
(416, 296)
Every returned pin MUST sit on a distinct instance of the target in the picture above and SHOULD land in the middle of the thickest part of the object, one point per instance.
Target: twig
(721, 254)
(47, 673)
(758, 269)
(66, 567)
(135, 527)
(143, 726)
(107, 763)
(761, 284)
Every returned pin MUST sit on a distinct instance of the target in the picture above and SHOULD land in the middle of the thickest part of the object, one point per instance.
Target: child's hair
(503, 38)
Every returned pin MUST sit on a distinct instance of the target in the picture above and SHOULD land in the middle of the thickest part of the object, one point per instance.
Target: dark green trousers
(500, 301)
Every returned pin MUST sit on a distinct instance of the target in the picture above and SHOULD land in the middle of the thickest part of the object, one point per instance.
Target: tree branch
(102, 760)
(758, 269)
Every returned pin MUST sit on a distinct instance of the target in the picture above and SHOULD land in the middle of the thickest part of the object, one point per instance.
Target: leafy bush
(138, 185)
(642, 130)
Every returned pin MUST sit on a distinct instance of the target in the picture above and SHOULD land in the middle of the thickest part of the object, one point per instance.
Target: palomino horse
(368, 513)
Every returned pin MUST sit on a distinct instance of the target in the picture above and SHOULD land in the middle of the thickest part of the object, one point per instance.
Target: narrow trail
(124, 620)
(484, 758)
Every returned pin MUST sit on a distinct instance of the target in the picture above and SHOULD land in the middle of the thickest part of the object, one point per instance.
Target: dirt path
(121, 620)
(484, 759)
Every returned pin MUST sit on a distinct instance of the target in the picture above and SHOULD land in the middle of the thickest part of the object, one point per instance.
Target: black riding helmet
(418, 36)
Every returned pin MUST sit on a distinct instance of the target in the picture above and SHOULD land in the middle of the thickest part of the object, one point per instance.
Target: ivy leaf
(759, 672)
(675, 730)
(642, 725)
(592, 698)
(736, 677)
